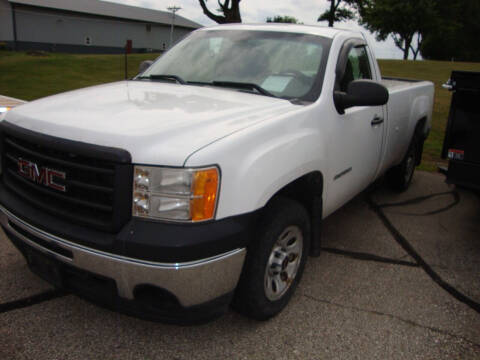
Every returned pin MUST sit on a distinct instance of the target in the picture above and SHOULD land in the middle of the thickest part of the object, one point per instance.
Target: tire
(275, 260)
(400, 177)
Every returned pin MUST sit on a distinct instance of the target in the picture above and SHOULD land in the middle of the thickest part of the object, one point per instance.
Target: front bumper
(191, 283)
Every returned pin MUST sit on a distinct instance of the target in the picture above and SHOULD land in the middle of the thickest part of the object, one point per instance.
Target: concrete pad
(400, 291)
(423, 183)
(355, 228)
(16, 280)
(69, 328)
(449, 241)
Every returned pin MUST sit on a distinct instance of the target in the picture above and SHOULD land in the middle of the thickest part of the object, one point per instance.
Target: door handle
(377, 120)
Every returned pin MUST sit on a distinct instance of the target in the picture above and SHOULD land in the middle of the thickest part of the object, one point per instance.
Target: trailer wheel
(275, 260)
(400, 177)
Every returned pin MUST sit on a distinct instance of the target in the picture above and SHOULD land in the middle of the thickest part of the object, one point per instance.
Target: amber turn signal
(204, 191)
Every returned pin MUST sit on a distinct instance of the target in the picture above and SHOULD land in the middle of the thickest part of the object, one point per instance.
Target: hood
(158, 123)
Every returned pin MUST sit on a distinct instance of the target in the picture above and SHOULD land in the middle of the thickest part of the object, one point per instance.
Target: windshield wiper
(230, 84)
(199, 83)
(176, 78)
(242, 85)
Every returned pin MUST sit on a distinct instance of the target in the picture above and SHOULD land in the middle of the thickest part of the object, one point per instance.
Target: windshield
(285, 65)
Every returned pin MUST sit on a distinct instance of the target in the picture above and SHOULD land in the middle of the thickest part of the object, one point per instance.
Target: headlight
(175, 194)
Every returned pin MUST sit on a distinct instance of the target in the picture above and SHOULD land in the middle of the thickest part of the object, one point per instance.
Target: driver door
(357, 136)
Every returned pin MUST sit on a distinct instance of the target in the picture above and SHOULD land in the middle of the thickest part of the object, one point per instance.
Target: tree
(455, 33)
(282, 19)
(337, 13)
(416, 49)
(229, 8)
(402, 20)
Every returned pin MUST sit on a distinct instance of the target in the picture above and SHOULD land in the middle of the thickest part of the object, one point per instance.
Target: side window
(357, 67)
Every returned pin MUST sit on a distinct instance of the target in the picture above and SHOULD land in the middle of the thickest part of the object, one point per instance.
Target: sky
(256, 11)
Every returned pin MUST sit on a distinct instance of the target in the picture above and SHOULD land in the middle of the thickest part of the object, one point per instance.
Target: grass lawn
(30, 77)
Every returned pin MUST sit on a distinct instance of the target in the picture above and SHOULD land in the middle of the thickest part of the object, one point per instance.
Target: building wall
(6, 33)
(70, 32)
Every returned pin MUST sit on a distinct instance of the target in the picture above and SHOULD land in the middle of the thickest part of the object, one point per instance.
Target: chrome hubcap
(283, 263)
(409, 168)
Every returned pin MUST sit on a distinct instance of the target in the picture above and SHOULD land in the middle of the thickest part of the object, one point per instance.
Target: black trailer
(462, 138)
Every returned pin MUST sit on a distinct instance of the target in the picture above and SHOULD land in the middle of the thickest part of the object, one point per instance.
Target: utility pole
(173, 9)
(14, 23)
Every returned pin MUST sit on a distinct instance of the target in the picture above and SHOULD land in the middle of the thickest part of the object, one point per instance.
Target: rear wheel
(275, 260)
(400, 176)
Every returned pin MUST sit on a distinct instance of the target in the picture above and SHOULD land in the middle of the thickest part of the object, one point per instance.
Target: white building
(86, 26)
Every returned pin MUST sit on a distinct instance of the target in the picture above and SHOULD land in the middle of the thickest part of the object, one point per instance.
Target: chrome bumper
(193, 283)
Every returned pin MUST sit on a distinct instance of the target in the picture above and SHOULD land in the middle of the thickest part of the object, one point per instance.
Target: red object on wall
(128, 46)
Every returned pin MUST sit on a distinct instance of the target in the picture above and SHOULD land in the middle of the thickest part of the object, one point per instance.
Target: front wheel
(275, 260)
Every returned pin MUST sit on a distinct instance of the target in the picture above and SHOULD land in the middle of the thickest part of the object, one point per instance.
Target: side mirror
(144, 65)
(360, 93)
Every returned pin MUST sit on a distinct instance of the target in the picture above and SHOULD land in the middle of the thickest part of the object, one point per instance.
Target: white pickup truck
(203, 181)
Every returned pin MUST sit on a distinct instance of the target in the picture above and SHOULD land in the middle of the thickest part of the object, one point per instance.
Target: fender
(421, 109)
(259, 161)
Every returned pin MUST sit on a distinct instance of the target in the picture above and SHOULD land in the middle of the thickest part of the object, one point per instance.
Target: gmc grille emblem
(42, 175)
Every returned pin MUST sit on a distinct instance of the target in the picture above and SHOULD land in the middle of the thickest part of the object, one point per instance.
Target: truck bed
(392, 83)
(405, 95)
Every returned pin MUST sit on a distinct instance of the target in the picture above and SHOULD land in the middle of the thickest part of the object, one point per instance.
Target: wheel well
(308, 191)
(420, 138)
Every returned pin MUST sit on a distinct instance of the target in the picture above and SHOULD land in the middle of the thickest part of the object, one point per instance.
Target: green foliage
(444, 29)
(338, 13)
(454, 35)
(282, 19)
(400, 19)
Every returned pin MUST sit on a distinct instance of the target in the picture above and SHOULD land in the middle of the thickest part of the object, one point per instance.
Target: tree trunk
(331, 18)
(231, 14)
(408, 44)
(419, 45)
